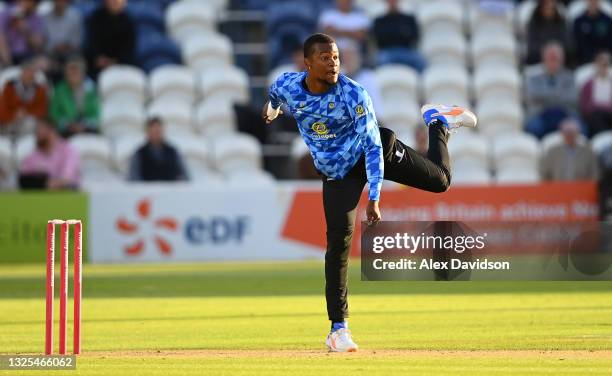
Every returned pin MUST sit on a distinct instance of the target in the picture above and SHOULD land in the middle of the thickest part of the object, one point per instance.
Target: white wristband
(271, 112)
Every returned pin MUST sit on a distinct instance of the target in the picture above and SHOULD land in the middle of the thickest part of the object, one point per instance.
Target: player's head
(322, 58)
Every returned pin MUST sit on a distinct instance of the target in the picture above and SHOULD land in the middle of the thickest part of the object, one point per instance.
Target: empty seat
(516, 151)
(237, 152)
(401, 113)
(176, 115)
(497, 82)
(517, 175)
(230, 83)
(172, 82)
(444, 47)
(23, 147)
(215, 118)
(276, 72)
(185, 19)
(96, 158)
(6, 158)
(441, 15)
(398, 81)
(117, 119)
(446, 84)
(470, 176)
(493, 21)
(495, 118)
(122, 84)
(601, 141)
(469, 150)
(124, 149)
(494, 48)
(205, 50)
(251, 178)
(196, 155)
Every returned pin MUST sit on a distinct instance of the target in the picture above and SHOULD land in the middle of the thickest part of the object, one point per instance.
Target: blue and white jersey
(338, 126)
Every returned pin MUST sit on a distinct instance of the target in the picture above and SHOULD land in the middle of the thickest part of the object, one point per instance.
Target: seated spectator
(596, 97)
(23, 100)
(156, 160)
(75, 107)
(351, 65)
(551, 94)
(569, 161)
(23, 32)
(63, 26)
(111, 34)
(345, 22)
(54, 164)
(592, 32)
(397, 37)
(546, 25)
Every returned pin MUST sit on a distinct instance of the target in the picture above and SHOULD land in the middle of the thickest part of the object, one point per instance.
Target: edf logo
(216, 230)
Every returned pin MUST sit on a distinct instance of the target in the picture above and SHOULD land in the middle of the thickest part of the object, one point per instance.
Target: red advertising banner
(552, 202)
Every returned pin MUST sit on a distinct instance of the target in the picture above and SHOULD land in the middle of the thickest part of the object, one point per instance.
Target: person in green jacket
(75, 106)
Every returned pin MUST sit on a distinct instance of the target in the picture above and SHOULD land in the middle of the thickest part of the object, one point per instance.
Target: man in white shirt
(345, 22)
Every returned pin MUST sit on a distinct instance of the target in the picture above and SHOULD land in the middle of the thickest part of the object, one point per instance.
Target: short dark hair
(154, 120)
(316, 39)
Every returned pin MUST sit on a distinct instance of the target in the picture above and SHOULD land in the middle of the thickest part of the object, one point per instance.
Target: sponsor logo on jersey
(359, 110)
(321, 131)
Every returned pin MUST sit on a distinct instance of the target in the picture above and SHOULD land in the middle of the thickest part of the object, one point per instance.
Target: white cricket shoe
(340, 341)
(452, 117)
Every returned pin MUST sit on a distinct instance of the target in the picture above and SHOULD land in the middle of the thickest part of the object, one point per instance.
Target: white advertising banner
(144, 223)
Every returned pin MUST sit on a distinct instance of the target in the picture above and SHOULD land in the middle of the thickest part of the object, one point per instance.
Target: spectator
(64, 30)
(546, 25)
(596, 97)
(75, 107)
(592, 32)
(397, 37)
(569, 161)
(22, 101)
(345, 22)
(156, 160)
(111, 36)
(54, 163)
(23, 32)
(551, 94)
(350, 62)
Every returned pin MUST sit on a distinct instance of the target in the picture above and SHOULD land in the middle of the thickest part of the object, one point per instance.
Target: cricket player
(337, 121)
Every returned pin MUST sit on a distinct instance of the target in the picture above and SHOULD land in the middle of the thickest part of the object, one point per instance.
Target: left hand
(373, 212)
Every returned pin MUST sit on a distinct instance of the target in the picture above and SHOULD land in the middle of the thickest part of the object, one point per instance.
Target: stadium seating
(215, 118)
(185, 19)
(499, 50)
(601, 141)
(515, 152)
(495, 119)
(469, 151)
(470, 176)
(123, 84)
(401, 113)
(117, 119)
(204, 50)
(196, 156)
(556, 138)
(229, 83)
(172, 82)
(444, 46)
(124, 149)
(237, 153)
(155, 49)
(6, 154)
(254, 179)
(398, 81)
(498, 82)
(23, 146)
(445, 83)
(577, 7)
(96, 159)
(176, 115)
(584, 73)
(527, 175)
(438, 15)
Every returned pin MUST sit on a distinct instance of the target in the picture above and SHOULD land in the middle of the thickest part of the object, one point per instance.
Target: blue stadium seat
(147, 15)
(155, 49)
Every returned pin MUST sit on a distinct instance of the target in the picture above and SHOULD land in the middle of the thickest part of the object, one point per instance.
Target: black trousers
(340, 198)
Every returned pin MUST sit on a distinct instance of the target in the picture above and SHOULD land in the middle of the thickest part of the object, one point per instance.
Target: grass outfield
(269, 318)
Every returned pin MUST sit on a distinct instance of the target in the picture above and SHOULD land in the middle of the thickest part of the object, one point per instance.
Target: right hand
(265, 116)
(373, 212)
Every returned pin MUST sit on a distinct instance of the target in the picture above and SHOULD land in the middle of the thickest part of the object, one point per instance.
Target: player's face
(324, 63)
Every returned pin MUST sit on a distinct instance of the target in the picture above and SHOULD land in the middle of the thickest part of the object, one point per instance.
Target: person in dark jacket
(592, 32)
(156, 160)
(111, 36)
(546, 25)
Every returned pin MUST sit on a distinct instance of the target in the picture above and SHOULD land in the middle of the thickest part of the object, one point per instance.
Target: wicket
(78, 263)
